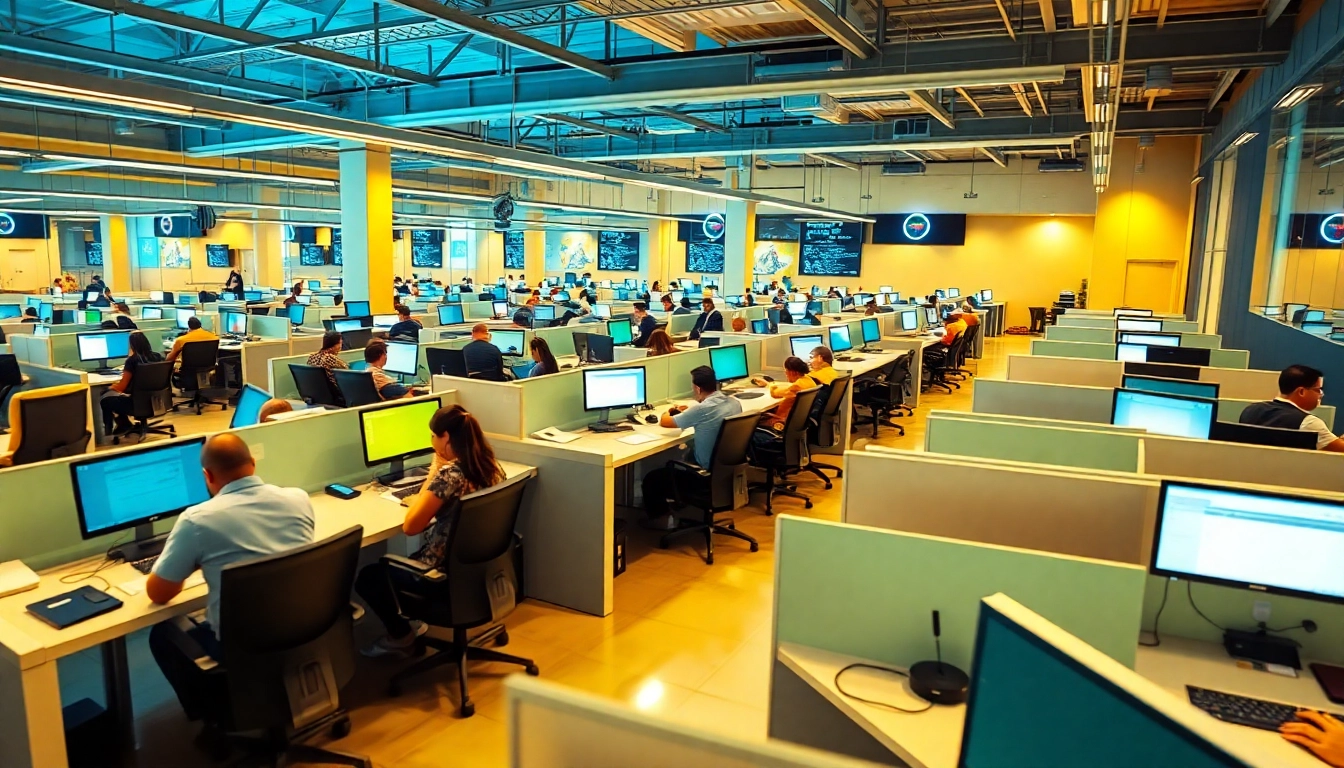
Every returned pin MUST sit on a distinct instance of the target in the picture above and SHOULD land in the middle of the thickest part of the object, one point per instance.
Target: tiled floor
(688, 641)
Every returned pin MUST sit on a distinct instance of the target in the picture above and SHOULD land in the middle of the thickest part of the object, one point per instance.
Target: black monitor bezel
(363, 437)
(80, 352)
(865, 323)
(821, 342)
(629, 324)
(1163, 334)
(1213, 412)
(830, 344)
(233, 422)
(84, 531)
(584, 381)
(746, 365)
(1214, 384)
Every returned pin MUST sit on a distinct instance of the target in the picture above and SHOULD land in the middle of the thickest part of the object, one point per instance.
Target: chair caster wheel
(340, 729)
(755, 547)
(839, 473)
(532, 670)
(807, 505)
(502, 639)
(828, 486)
(468, 709)
(709, 559)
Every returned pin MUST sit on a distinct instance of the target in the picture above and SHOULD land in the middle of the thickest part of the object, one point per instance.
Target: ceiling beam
(1007, 22)
(589, 125)
(1224, 83)
(926, 103)
(185, 23)
(690, 120)
(836, 161)
(824, 17)
(1020, 93)
(1275, 10)
(1048, 15)
(963, 94)
(995, 155)
(1035, 86)
(1162, 13)
(510, 37)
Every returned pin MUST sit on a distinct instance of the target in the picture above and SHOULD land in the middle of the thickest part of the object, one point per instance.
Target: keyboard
(1242, 710)
(748, 395)
(402, 493)
(145, 565)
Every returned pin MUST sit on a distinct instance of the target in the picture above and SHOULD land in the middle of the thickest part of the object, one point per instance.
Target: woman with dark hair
(463, 463)
(234, 284)
(541, 355)
(660, 343)
(116, 404)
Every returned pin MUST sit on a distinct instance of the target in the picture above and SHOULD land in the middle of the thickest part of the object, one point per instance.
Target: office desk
(31, 730)
(917, 345)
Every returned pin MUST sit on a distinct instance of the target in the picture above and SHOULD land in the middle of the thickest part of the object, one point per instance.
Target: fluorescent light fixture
(581, 209)
(1245, 137)
(1298, 95)
(165, 200)
(191, 170)
(21, 200)
(1196, 180)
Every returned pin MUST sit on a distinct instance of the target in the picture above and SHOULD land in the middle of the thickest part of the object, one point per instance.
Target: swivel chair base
(775, 485)
(279, 750)
(709, 528)
(144, 429)
(458, 651)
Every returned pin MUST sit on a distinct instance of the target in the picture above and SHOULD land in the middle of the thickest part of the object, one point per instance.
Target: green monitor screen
(1208, 389)
(396, 431)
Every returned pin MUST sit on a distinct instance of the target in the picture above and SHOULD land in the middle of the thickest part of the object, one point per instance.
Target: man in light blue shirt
(706, 417)
(245, 519)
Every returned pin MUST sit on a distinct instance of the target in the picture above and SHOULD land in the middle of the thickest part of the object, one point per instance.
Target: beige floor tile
(723, 716)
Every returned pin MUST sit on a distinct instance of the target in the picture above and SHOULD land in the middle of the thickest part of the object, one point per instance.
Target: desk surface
(29, 642)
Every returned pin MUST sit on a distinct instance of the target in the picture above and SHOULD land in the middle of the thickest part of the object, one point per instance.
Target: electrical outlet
(258, 451)
(1261, 611)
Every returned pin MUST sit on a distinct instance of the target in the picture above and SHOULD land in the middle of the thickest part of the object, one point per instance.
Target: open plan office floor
(687, 641)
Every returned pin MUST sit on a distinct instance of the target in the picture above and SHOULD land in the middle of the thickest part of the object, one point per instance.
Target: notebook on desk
(70, 608)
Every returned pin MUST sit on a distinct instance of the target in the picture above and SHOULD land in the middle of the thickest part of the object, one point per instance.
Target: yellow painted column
(739, 238)
(366, 225)
(116, 253)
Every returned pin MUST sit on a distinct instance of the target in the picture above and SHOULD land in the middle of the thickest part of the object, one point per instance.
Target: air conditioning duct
(1057, 165)
(819, 104)
(903, 168)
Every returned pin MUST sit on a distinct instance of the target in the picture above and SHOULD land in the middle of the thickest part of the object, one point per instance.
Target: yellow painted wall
(29, 265)
(1143, 216)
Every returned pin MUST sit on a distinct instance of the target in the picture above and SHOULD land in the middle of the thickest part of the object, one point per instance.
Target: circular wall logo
(7, 224)
(713, 226)
(1332, 228)
(916, 226)
(166, 225)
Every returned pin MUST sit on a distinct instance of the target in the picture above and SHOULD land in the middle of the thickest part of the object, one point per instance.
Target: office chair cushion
(16, 421)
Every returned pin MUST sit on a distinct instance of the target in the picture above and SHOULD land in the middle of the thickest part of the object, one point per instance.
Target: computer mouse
(768, 379)
(651, 419)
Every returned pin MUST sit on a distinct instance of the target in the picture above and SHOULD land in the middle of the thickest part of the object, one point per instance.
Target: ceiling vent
(1056, 165)
(903, 168)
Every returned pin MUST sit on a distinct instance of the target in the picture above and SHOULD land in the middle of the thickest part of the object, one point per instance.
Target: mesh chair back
(357, 387)
(54, 426)
(795, 431)
(151, 390)
(730, 458)
(482, 585)
(10, 375)
(313, 385)
(971, 334)
(825, 432)
(446, 362)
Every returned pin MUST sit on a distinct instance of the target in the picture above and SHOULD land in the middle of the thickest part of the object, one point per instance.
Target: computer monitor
(357, 338)
(884, 289)
(158, 297)
(871, 329)
(1318, 328)
(631, 283)
(44, 310)
(607, 388)
(860, 299)
(499, 308)
(1131, 353)
(346, 324)
(1179, 355)
(596, 348)
(184, 316)
(1151, 339)
(132, 489)
(1163, 371)
(228, 296)
(760, 326)
(1291, 309)
(1258, 540)
(148, 313)
(63, 316)
(708, 341)
(602, 311)
(1126, 323)
(729, 363)
(1131, 311)
(88, 316)
(384, 321)
(986, 295)
(542, 314)
(1251, 434)
(92, 296)
(839, 338)
(910, 320)
(314, 285)
(248, 410)
(101, 346)
(620, 332)
(802, 346)
(234, 323)
(297, 313)
(1161, 414)
(797, 308)
(931, 316)
(395, 433)
(10, 310)
(953, 293)
(1207, 389)
(879, 299)
(450, 314)
(1040, 696)
(402, 357)
(560, 296)
(304, 299)
(940, 293)
(453, 298)
(253, 296)
(677, 296)
(508, 342)
(356, 308)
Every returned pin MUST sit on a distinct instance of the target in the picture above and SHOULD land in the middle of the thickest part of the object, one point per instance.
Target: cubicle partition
(1170, 323)
(1107, 336)
(280, 382)
(1218, 358)
(1235, 383)
(1071, 444)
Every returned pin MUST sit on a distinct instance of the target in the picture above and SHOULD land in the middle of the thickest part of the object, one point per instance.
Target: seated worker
(329, 356)
(406, 328)
(541, 355)
(294, 293)
(463, 463)
(870, 308)
(272, 407)
(798, 378)
(245, 519)
(30, 315)
(968, 316)
(534, 299)
(706, 416)
(711, 319)
(399, 286)
(194, 333)
(1301, 388)
(954, 325)
(375, 355)
(781, 297)
(482, 357)
(684, 308)
(116, 403)
(96, 285)
(105, 300)
(108, 325)
(668, 306)
(739, 325)
(820, 363)
(644, 324)
(1320, 733)
(660, 343)
(748, 299)
(123, 317)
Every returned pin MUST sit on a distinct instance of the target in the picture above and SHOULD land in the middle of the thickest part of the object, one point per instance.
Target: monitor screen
(304, 299)
(1264, 541)
(88, 317)
(619, 330)
(910, 320)
(228, 296)
(500, 308)
(884, 289)
(987, 295)
(797, 308)
(602, 310)
(802, 346)
(760, 326)
(953, 293)
(356, 308)
(1318, 328)
(450, 314)
(402, 358)
(297, 313)
(248, 410)
(346, 324)
(613, 387)
(183, 315)
(234, 323)
(10, 310)
(92, 296)
(931, 316)
(543, 312)
(252, 296)
(729, 363)
(839, 336)
(103, 346)
(384, 321)
(1131, 311)
(872, 330)
(1174, 415)
(1124, 323)
(880, 299)
(125, 489)
(156, 296)
(708, 341)
(1313, 315)
(1131, 353)
(1207, 389)
(1179, 355)
(314, 285)
(44, 310)
(148, 313)
(396, 431)
(1151, 339)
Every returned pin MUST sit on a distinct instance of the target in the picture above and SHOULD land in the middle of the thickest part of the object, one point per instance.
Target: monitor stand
(604, 424)
(1261, 646)
(399, 475)
(146, 544)
(104, 368)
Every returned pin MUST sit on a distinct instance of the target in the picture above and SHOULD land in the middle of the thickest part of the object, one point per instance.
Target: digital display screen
(515, 256)
(117, 492)
(618, 251)
(216, 255)
(916, 228)
(831, 248)
(427, 248)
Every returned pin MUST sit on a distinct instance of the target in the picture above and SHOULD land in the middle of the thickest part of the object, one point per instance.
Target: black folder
(61, 611)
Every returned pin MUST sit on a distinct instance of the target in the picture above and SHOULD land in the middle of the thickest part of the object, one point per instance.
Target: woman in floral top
(463, 463)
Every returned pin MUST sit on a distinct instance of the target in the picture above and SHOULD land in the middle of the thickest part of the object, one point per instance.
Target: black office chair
(476, 584)
(960, 371)
(199, 360)
(786, 453)
(314, 386)
(357, 387)
(11, 378)
(151, 393)
(446, 362)
(938, 361)
(884, 394)
(1037, 320)
(824, 430)
(286, 652)
(715, 489)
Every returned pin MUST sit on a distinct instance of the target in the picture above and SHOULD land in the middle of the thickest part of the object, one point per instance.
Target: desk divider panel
(256, 357)
(1065, 370)
(1038, 444)
(1071, 320)
(1230, 410)
(1085, 349)
(269, 326)
(680, 325)
(869, 593)
(1230, 358)
(281, 381)
(1032, 421)
(1243, 383)
(1107, 335)
(497, 405)
(31, 349)
(65, 350)
(1211, 460)
(1046, 401)
(481, 310)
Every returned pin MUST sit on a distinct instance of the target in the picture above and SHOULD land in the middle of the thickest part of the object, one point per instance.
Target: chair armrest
(420, 570)
(187, 645)
(684, 466)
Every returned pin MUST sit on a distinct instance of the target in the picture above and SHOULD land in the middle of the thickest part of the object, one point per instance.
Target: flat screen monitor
(450, 314)
(346, 324)
(602, 310)
(1132, 311)
(1163, 371)
(1178, 355)
(151, 313)
(234, 323)
(248, 410)
(613, 388)
(619, 330)
(872, 330)
(1124, 323)
(252, 296)
(802, 346)
(797, 308)
(44, 310)
(402, 358)
(314, 285)
(1041, 697)
(305, 299)
(508, 342)
(1318, 328)
(10, 310)
(708, 341)
(1267, 542)
(228, 296)
(677, 296)
(839, 338)
(1175, 415)
(543, 313)
(499, 308)
(860, 299)
(396, 432)
(1252, 434)
(1313, 315)
(453, 298)
(356, 308)
(884, 289)
(92, 296)
(910, 320)
(88, 316)
(931, 316)
(103, 345)
(1207, 389)
(729, 363)
(953, 293)
(598, 349)
(760, 326)
(940, 293)
(1151, 339)
(184, 316)
(120, 491)
(358, 338)
(384, 321)
(987, 295)
(880, 299)
(156, 297)
(1131, 353)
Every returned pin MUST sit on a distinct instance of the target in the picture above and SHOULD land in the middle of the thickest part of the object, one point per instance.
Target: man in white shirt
(1301, 389)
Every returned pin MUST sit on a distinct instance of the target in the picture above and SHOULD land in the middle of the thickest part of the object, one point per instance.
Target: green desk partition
(65, 350)
(1087, 349)
(1107, 336)
(282, 381)
(680, 325)
(1040, 444)
(870, 593)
